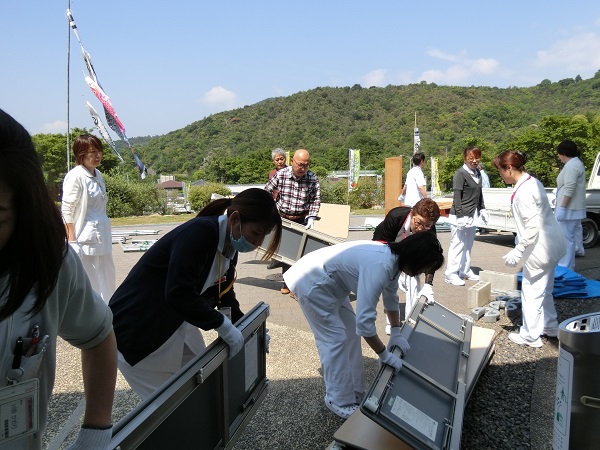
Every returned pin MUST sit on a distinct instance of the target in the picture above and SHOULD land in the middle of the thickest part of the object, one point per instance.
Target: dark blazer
(164, 289)
(388, 229)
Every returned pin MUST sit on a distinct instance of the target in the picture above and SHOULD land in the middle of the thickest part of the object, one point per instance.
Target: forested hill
(379, 121)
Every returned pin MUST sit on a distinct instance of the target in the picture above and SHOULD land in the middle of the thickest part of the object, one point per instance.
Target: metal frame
(208, 403)
(297, 241)
(432, 383)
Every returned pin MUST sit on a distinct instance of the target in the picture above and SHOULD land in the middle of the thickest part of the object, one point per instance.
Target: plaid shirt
(296, 195)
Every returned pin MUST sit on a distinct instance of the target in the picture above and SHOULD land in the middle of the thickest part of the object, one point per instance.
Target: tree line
(234, 147)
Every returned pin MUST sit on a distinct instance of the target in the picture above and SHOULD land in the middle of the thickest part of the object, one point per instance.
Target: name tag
(19, 410)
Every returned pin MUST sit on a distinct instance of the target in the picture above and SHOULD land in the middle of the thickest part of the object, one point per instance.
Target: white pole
(68, 78)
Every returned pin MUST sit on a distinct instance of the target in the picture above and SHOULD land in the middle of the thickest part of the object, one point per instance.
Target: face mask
(241, 245)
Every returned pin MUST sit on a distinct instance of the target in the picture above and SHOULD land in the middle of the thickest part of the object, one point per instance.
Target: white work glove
(512, 258)
(462, 222)
(267, 339)
(92, 439)
(427, 291)
(75, 246)
(385, 357)
(402, 198)
(231, 335)
(310, 223)
(560, 213)
(485, 217)
(397, 339)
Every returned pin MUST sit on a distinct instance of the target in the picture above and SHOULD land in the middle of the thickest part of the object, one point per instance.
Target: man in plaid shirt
(299, 195)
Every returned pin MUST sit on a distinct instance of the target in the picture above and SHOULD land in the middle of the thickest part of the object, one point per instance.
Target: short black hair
(568, 148)
(419, 252)
(418, 158)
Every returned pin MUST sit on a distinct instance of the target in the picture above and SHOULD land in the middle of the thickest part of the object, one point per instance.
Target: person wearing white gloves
(179, 283)
(322, 281)
(570, 200)
(398, 223)
(299, 197)
(83, 208)
(540, 244)
(45, 294)
(467, 210)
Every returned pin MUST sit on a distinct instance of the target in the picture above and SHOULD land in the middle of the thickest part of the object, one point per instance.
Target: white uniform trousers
(340, 352)
(411, 287)
(569, 228)
(458, 261)
(100, 269)
(579, 250)
(537, 302)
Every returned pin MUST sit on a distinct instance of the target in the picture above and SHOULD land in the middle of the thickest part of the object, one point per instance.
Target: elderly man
(299, 196)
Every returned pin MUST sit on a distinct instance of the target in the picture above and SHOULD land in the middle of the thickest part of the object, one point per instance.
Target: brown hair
(83, 144)
(510, 158)
(474, 150)
(428, 209)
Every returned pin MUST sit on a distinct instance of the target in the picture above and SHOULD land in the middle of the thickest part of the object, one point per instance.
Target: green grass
(157, 219)
(154, 219)
(368, 212)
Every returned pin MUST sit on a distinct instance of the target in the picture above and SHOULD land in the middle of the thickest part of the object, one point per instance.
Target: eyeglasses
(301, 165)
(473, 159)
(420, 224)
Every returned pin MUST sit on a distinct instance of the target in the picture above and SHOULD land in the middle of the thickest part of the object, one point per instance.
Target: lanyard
(517, 188)
(228, 288)
(404, 229)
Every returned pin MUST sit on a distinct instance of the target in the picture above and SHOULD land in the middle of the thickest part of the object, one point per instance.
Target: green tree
(131, 197)
(199, 196)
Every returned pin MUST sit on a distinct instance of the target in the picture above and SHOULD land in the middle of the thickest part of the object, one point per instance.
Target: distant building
(172, 186)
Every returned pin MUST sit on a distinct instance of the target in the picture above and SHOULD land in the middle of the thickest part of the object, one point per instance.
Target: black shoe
(274, 264)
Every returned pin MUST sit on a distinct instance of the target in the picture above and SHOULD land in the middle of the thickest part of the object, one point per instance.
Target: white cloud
(376, 77)
(462, 70)
(58, 126)
(579, 52)
(220, 98)
(438, 54)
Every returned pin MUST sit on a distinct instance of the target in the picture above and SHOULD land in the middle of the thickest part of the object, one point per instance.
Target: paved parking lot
(293, 415)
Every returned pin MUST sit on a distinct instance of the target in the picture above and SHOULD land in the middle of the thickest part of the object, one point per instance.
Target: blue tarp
(569, 284)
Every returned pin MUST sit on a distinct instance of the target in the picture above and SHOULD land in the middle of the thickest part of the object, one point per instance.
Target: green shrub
(199, 196)
(364, 196)
(335, 192)
(133, 198)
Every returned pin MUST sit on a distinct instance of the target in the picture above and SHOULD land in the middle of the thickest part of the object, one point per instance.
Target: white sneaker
(342, 411)
(454, 279)
(471, 276)
(517, 339)
(388, 329)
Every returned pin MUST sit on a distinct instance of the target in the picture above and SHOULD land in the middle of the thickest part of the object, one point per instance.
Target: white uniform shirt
(415, 178)
(571, 183)
(84, 205)
(74, 312)
(367, 268)
(537, 229)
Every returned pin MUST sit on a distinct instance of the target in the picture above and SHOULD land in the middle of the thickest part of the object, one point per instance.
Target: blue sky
(167, 64)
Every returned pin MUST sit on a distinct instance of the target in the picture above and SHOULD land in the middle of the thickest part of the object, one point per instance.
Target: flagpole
(68, 89)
